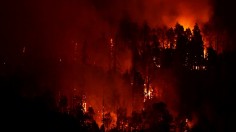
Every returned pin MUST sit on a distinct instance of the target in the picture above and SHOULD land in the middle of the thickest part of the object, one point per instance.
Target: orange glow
(187, 13)
(191, 123)
(186, 22)
(205, 52)
(111, 43)
(85, 106)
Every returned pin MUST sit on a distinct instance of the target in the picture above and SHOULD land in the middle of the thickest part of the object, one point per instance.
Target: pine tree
(181, 44)
(197, 49)
(171, 38)
(188, 60)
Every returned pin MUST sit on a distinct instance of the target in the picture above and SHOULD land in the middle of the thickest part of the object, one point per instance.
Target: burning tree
(107, 121)
(122, 120)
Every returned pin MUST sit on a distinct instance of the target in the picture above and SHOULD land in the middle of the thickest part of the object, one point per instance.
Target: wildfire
(186, 22)
(148, 92)
(191, 123)
(84, 106)
(111, 42)
(205, 52)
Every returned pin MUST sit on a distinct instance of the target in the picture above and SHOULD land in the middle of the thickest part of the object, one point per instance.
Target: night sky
(50, 25)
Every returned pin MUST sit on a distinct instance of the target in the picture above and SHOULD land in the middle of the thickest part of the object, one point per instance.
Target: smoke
(167, 86)
(50, 29)
(91, 18)
(104, 91)
(157, 12)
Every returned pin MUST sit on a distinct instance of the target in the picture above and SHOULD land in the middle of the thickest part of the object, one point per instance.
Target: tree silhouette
(171, 37)
(136, 120)
(188, 60)
(158, 117)
(211, 56)
(63, 103)
(121, 118)
(179, 30)
(197, 49)
(128, 30)
(181, 45)
(107, 121)
(188, 33)
(79, 114)
(90, 123)
(156, 51)
(145, 33)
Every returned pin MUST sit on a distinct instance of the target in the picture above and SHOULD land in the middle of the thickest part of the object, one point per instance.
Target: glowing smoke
(51, 26)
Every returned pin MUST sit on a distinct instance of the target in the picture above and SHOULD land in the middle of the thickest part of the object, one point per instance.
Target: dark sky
(224, 21)
(51, 24)
(224, 14)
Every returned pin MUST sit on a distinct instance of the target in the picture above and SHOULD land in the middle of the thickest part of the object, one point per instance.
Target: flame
(151, 92)
(111, 41)
(148, 92)
(85, 106)
(193, 122)
(205, 52)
